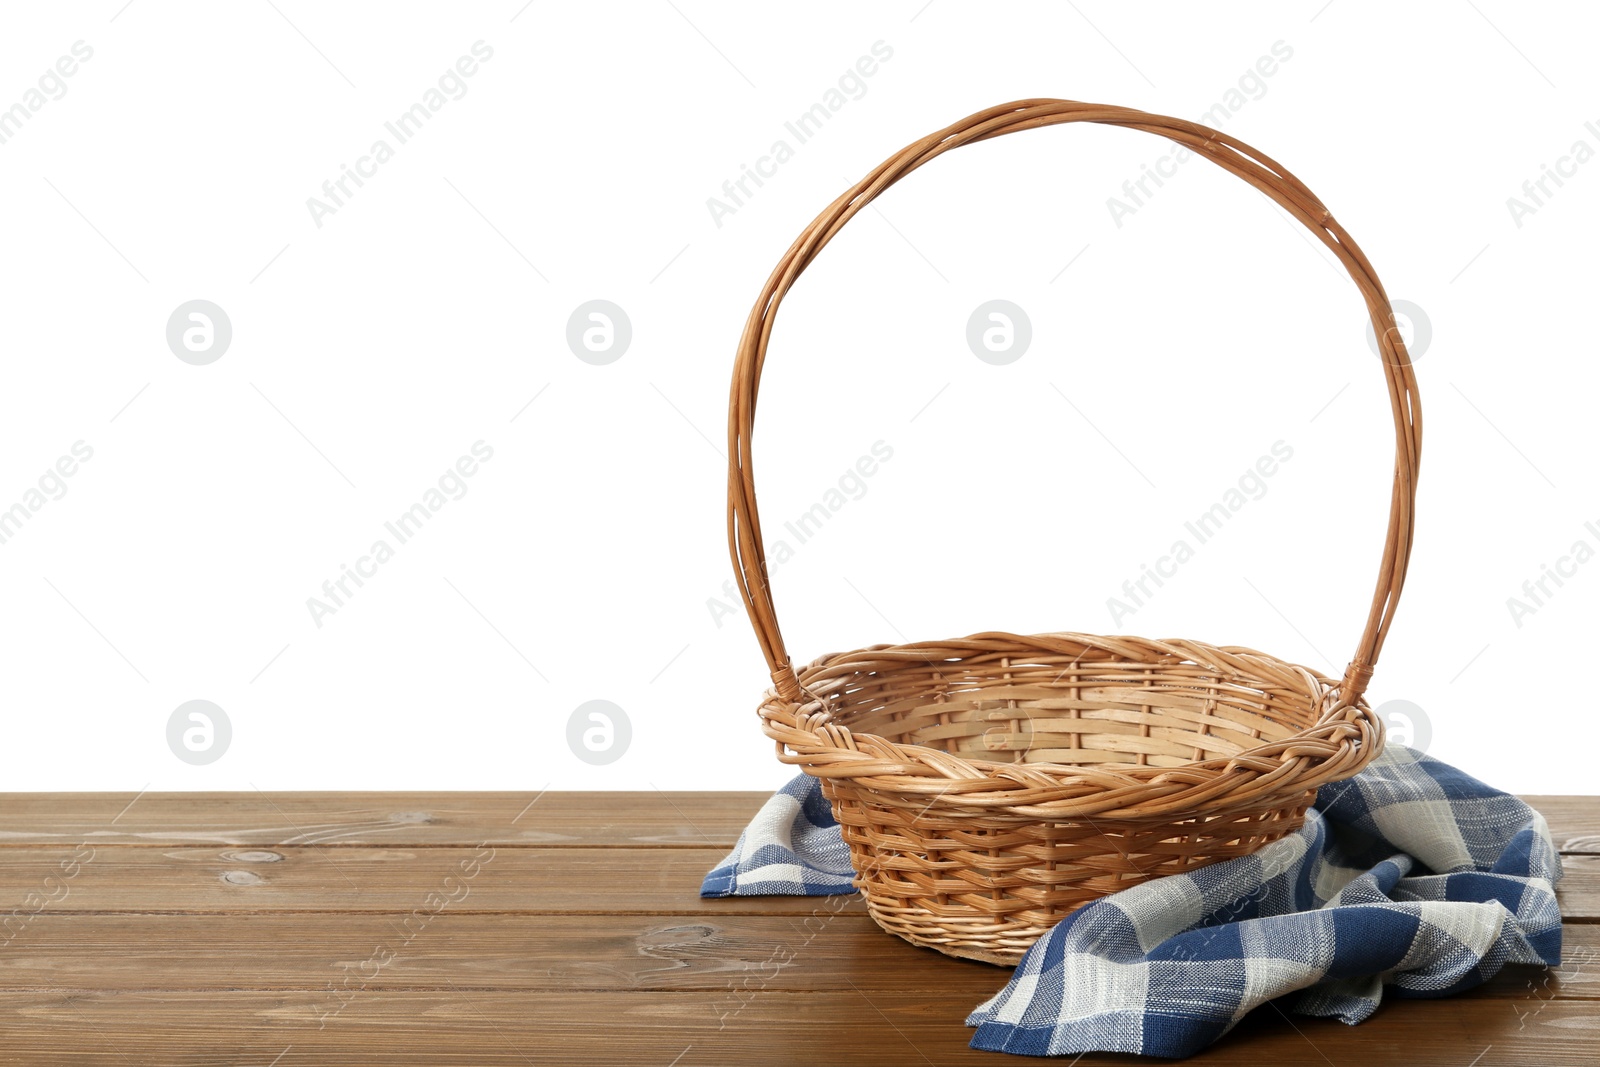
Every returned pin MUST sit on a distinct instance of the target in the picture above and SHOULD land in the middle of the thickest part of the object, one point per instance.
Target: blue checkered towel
(792, 848)
(1411, 876)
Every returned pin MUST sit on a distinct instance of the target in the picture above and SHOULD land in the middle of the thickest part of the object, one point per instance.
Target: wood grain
(1574, 821)
(641, 819)
(580, 881)
(771, 1029)
(471, 928)
(644, 819)
(473, 880)
(551, 953)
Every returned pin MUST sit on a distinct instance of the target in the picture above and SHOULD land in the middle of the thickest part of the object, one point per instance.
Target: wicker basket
(989, 785)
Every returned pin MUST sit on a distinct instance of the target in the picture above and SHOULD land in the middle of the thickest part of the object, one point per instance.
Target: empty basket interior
(1111, 712)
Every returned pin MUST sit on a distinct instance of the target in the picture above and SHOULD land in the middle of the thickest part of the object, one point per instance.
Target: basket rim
(1345, 736)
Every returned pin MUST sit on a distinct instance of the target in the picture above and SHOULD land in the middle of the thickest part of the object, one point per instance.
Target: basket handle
(745, 543)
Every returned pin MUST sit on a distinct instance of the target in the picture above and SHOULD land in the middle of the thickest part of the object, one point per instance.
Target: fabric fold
(1412, 878)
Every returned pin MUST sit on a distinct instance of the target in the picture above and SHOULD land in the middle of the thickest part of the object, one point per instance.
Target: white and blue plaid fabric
(792, 848)
(1411, 876)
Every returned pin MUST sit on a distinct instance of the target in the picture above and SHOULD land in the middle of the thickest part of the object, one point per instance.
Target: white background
(421, 317)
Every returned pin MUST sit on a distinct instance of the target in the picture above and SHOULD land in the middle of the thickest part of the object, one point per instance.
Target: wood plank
(648, 818)
(380, 932)
(551, 953)
(770, 1028)
(1578, 892)
(1574, 821)
(640, 819)
(551, 880)
(576, 881)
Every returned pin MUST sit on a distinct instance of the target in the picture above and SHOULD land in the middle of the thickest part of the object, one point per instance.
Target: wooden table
(497, 928)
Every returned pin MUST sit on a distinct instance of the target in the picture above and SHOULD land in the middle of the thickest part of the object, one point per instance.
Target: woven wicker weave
(989, 785)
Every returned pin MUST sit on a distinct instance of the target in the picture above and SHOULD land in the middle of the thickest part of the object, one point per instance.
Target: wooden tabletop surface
(497, 928)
